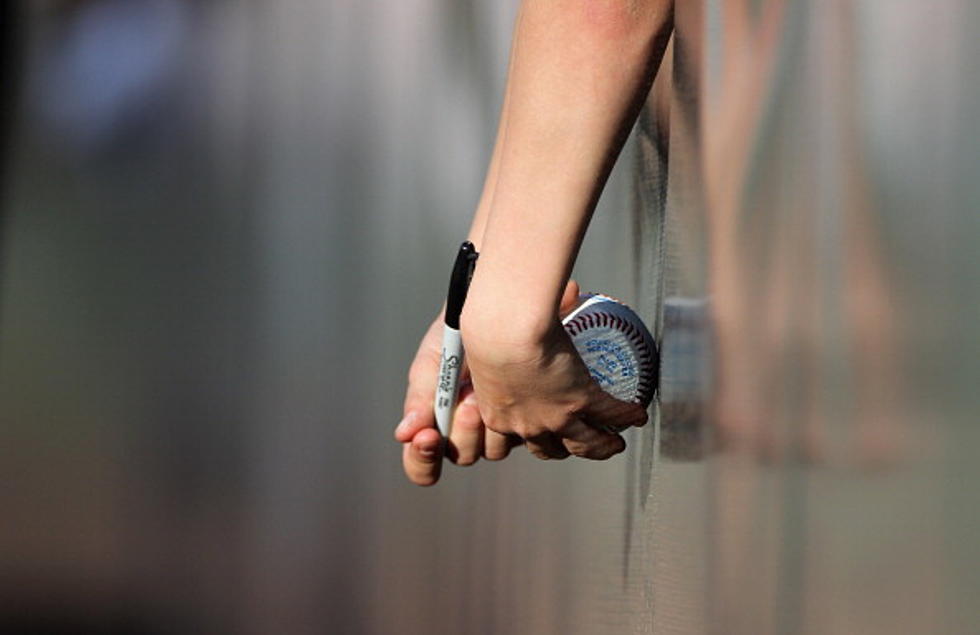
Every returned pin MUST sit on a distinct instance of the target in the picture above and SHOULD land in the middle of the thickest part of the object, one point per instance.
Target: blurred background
(226, 223)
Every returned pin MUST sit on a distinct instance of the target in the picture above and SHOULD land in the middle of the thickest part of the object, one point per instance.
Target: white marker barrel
(447, 389)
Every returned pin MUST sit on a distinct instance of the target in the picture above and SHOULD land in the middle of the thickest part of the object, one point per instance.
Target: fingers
(547, 446)
(605, 412)
(497, 446)
(419, 398)
(466, 436)
(410, 425)
(587, 442)
(595, 434)
(422, 457)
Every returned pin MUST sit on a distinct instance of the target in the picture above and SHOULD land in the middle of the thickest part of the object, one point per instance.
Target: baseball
(616, 346)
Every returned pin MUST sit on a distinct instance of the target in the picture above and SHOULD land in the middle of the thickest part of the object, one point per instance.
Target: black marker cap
(459, 283)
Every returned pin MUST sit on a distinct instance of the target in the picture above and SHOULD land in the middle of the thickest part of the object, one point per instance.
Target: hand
(539, 389)
(469, 439)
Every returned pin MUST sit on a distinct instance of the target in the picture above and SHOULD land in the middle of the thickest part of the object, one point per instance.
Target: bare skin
(470, 439)
(579, 73)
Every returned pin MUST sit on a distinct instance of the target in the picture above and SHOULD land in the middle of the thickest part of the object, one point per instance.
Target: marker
(447, 391)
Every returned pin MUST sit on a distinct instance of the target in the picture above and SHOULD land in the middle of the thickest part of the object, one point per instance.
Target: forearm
(580, 70)
(479, 224)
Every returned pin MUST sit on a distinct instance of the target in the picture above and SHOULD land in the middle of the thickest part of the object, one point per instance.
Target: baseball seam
(601, 318)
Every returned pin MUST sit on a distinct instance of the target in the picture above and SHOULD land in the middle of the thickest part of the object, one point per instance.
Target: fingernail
(470, 399)
(427, 452)
(404, 424)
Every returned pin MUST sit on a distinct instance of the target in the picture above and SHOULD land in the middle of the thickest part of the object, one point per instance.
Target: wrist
(506, 318)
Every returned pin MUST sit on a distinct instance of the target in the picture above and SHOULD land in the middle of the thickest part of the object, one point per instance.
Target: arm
(579, 72)
(469, 439)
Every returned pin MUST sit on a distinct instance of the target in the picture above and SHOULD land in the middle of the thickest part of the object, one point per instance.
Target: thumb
(569, 299)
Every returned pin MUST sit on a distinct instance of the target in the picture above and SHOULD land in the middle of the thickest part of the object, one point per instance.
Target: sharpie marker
(452, 345)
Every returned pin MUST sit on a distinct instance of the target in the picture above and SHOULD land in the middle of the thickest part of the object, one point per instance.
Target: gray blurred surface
(229, 222)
